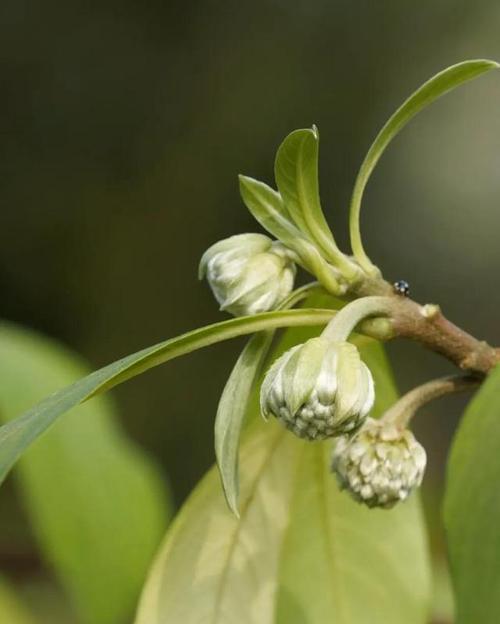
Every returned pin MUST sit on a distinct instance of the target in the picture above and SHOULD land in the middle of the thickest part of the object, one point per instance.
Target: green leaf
(231, 412)
(438, 85)
(369, 565)
(472, 508)
(97, 504)
(268, 208)
(234, 403)
(266, 205)
(296, 173)
(239, 570)
(16, 436)
(215, 568)
(235, 399)
(12, 610)
(443, 602)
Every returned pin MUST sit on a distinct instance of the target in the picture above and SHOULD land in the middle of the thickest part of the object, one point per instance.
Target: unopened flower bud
(380, 465)
(319, 389)
(248, 273)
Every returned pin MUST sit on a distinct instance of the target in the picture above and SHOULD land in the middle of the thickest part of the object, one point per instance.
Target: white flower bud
(319, 389)
(248, 273)
(380, 465)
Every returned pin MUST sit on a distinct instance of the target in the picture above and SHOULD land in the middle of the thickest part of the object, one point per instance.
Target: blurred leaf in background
(472, 508)
(12, 610)
(97, 504)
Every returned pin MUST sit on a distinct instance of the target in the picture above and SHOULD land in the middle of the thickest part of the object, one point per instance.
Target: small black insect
(401, 287)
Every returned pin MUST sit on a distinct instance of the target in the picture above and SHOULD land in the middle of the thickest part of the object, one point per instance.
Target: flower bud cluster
(380, 465)
(248, 273)
(319, 389)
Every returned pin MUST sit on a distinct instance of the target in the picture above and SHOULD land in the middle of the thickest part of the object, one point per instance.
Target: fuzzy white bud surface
(319, 389)
(248, 273)
(380, 465)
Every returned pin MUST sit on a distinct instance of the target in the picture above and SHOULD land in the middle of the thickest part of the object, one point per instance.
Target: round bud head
(319, 389)
(380, 465)
(248, 273)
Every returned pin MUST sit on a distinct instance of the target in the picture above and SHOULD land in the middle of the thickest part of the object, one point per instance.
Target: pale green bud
(248, 273)
(380, 465)
(318, 389)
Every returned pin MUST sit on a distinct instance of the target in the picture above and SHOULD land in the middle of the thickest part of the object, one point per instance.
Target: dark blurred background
(124, 126)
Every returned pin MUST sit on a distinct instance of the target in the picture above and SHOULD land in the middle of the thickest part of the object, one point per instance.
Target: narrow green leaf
(239, 570)
(472, 508)
(265, 204)
(16, 436)
(12, 609)
(296, 173)
(235, 399)
(438, 85)
(98, 506)
(232, 409)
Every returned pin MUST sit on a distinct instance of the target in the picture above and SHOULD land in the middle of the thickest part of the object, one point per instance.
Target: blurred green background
(124, 126)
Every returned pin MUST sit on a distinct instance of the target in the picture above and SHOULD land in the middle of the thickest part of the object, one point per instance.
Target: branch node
(430, 311)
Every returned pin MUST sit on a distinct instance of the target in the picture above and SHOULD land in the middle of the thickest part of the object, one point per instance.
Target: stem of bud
(401, 413)
(340, 328)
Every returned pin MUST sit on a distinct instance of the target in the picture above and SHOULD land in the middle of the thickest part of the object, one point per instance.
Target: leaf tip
(245, 181)
(236, 512)
(489, 63)
(479, 66)
(231, 497)
(482, 65)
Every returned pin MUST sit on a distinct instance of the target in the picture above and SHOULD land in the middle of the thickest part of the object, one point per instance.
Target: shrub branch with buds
(322, 392)
(321, 389)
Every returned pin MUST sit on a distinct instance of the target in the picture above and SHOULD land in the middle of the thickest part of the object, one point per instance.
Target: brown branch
(405, 408)
(427, 325)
